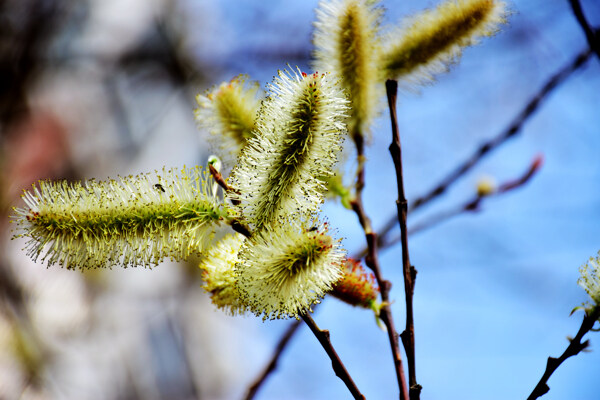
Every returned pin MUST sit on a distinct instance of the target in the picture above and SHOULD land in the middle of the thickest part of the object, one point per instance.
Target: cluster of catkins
(280, 257)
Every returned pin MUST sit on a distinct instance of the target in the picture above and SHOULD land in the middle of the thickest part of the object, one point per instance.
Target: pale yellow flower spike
(228, 111)
(428, 42)
(128, 222)
(347, 44)
(298, 136)
(219, 274)
(284, 269)
(590, 278)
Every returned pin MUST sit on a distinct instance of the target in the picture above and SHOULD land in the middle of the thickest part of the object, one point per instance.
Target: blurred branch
(26, 28)
(574, 348)
(515, 126)
(591, 35)
(338, 367)
(289, 333)
(409, 272)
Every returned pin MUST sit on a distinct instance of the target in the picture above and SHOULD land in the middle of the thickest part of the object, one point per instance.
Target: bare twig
(469, 206)
(591, 35)
(410, 273)
(492, 144)
(291, 330)
(372, 262)
(575, 346)
(338, 366)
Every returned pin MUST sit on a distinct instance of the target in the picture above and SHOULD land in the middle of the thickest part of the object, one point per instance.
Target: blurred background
(100, 88)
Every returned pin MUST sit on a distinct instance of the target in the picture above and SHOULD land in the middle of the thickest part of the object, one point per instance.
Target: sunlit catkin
(228, 111)
(130, 221)
(287, 267)
(428, 42)
(347, 44)
(219, 274)
(298, 135)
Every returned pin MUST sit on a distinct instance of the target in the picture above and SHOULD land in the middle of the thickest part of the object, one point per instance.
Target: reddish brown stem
(410, 273)
(574, 347)
(469, 206)
(372, 261)
(486, 148)
(338, 367)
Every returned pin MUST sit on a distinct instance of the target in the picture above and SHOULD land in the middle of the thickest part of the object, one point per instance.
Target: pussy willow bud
(285, 268)
(219, 274)
(228, 112)
(357, 286)
(299, 130)
(590, 279)
(347, 44)
(129, 221)
(427, 43)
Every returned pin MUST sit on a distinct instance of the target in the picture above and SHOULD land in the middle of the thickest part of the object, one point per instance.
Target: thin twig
(469, 206)
(575, 346)
(515, 127)
(591, 35)
(291, 330)
(410, 273)
(338, 367)
(372, 261)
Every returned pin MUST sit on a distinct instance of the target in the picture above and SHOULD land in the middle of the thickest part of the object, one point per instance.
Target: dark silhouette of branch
(338, 367)
(410, 273)
(372, 261)
(515, 126)
(574, 348)
(591, 35)
(291, 330)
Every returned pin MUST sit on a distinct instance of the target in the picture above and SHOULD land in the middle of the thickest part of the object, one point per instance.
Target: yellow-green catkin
(228, 111)
(219, 274)
(590, 279)
(427, 43)
(130, 221)
(300, 127)
(347, 44)
(287, 267)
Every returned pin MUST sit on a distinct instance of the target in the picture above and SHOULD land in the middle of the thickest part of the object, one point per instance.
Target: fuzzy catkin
(298, 135)
(347, 43)
(228, 111)
(428, 42)
(129, 221)
(287, 267)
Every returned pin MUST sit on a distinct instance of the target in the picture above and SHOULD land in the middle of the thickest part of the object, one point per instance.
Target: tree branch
(338, 367)
(410, 273)
(591, 35)
(469, 206)
(575, 346)
(372, 261)
(515, 126)
(274, 358)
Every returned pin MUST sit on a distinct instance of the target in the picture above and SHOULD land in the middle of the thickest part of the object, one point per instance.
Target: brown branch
(515, 126)
(575, 346)
(221, 181)
(338, 367)
(410, 273)
(473, 204)
(593, 37)
(372, 261)
(289, 333)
